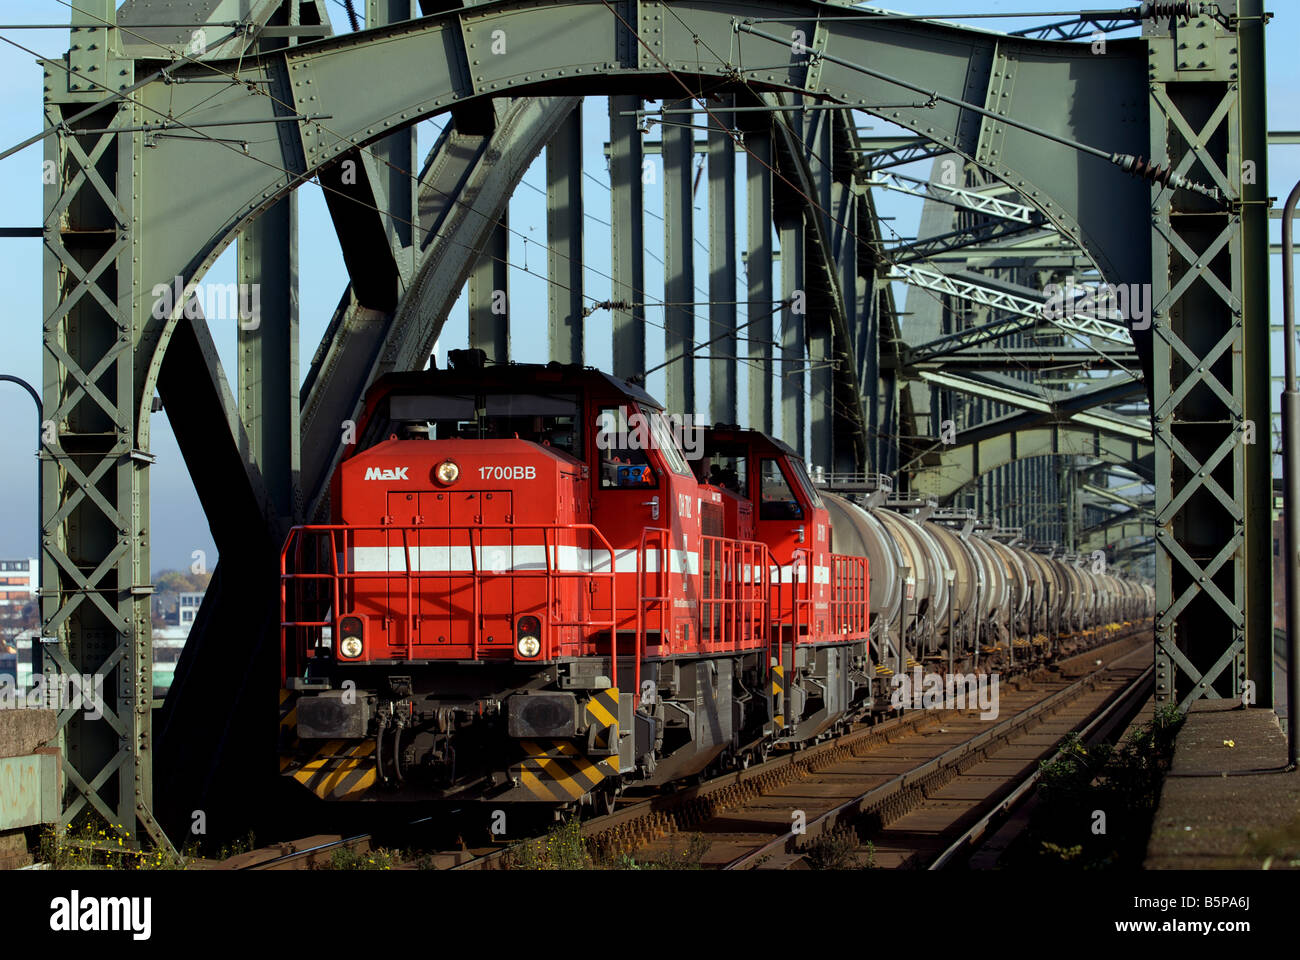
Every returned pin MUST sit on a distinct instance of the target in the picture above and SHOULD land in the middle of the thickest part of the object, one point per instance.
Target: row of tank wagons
(938, 579)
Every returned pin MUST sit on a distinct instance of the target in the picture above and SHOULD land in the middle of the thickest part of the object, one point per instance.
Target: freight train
(535, 587)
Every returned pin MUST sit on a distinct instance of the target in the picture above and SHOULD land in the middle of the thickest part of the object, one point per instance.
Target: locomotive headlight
(351, 631)
(447, 472)
(528, 630)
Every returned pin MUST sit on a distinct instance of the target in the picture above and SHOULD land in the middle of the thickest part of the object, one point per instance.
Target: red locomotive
(530, 592)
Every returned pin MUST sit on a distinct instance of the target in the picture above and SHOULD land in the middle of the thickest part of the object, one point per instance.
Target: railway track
(920, 799)
(890, 770)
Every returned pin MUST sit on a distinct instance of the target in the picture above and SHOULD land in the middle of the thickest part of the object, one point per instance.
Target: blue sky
(177, 519)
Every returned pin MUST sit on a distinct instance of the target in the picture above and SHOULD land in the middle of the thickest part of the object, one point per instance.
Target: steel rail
(903, 780)
(1011, 800)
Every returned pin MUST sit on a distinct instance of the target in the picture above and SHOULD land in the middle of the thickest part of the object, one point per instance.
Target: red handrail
(336, 576)
(735, 591)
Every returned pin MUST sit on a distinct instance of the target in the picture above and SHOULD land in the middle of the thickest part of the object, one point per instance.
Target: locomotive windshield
(777, 499)
(623, 434)
(551, 419)
(805, 482)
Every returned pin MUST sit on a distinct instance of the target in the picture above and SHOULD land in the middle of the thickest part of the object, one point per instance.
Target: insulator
(1163, 175)
(352, 15)
(1172, 8)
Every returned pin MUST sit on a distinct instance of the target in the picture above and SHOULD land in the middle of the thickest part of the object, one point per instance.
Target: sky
(177, 518)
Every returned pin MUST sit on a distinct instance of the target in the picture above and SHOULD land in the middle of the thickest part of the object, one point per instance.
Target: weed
(834, 851)
(1097, 804)
(563, 848)
(92, 843)
(688, 858)
(345, 858)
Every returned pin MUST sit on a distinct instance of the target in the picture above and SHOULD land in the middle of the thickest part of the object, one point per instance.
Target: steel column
(679, 261)
(758, 275)
(1209, 319)
(793, 366)
(564, 240)
(489, 295)
(723, 401)
(821, 353)
(95, 479)
(267, 346)
(627, 218)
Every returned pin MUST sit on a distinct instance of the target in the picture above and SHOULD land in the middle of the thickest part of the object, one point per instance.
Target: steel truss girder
(1076, 28)
(1209, 310)
(961, 197)
(1026, 311)
(1106, 493)
(1028, 358)
(960, 239)
(960, 464)
(899, 155)
(1082, 406)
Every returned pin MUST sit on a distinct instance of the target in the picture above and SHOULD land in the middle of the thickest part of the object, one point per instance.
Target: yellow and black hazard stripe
(556, 771)
(778, 696)
(288, 727)
(602, 715)
(339, 770)
(336, 770)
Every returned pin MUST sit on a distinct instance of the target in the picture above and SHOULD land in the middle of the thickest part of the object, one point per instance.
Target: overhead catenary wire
(407, 173)
(813, 203)
(383, 160)
(298, 178)
(797, 136)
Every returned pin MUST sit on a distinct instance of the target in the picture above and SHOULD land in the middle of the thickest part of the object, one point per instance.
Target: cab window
(548, 419)
(806, 484)
(666, 444)
(725, 468)
(622, 436)
(777, 500)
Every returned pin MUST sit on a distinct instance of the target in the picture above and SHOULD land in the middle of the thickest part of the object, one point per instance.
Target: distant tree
(179, 581)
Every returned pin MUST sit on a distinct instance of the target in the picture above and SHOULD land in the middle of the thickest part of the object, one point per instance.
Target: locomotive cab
(821, 603)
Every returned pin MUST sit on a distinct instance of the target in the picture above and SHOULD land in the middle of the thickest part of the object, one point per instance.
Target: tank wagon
(949, 589)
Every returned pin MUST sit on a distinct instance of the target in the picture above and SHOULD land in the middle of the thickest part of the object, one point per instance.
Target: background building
(17, 581)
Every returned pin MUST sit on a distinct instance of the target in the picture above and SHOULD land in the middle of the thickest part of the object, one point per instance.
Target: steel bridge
(1062, 154)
